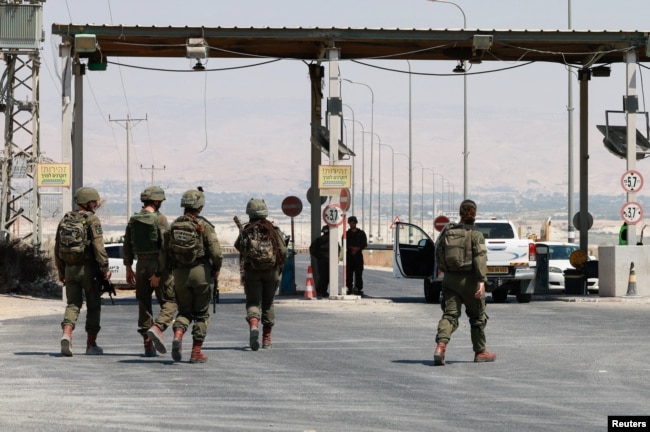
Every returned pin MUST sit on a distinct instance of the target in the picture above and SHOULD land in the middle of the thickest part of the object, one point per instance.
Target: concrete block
(614, 270)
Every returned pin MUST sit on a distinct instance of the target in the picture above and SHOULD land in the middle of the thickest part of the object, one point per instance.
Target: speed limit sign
(632, 212)
(632, 181)
(333, 215)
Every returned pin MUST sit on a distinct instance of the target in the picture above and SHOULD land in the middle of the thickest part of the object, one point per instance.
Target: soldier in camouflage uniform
(193, 279)
(78, 274)
(465, 288)
(144, 238)
(260, 284)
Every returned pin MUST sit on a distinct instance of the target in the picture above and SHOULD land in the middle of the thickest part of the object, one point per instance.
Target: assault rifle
(105, 286)
(241, 261)
(215, 296)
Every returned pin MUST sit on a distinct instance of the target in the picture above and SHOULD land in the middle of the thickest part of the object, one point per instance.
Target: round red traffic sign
(291, 206)
(440, 222)
(345, 198)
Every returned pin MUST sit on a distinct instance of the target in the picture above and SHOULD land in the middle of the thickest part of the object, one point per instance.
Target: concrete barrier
(614, 270)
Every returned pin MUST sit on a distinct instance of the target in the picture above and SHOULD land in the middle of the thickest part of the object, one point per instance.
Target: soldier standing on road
(356, 242)
(263, 252)
(464, 288)
(144, 238)
(320, 250)
(195, 255)
(79, 256)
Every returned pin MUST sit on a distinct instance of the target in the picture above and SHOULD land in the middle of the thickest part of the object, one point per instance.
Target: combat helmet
(152, 193)
(84, 195)
(193, 199)
(257, 209)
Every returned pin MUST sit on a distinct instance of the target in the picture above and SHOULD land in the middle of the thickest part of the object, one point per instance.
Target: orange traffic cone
(631, 283)
(310, 293)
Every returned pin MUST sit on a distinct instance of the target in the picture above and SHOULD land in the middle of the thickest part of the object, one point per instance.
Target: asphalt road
(338, 366)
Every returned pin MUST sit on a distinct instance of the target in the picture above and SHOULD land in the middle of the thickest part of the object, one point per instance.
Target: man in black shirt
(356, 242)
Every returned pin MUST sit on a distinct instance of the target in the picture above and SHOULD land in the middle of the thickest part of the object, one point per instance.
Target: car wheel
(432, 291)
(524, 298)
(500, 296)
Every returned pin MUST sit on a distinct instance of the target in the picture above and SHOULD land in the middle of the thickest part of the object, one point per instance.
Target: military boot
(66, 341)
(156, 335)
(177, 344)
(197, 356)
(149, 348)
(266, 337)
(91, 346)
(253, 323)
(484, 356)
(439, 354)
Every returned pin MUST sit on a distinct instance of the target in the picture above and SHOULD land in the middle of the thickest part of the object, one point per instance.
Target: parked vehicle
(511, 260)
(558, 262)
(115, 263)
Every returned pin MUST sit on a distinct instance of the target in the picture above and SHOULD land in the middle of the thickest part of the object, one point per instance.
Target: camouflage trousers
(260, 287)
(144, 292)
(458, 290)
(79, 283)
(193, 288)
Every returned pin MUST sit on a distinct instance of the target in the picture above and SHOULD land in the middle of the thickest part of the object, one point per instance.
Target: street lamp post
(464, 70)
(374, 134)
(355, 153)
(392, 181)
(410, 149)
(433, 196)
(421, 194)
(363, 169)
(372, 128)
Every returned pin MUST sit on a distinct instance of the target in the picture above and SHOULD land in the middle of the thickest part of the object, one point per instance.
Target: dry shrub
(25, 269)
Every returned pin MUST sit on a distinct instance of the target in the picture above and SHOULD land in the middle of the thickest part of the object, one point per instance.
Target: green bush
(26, 270)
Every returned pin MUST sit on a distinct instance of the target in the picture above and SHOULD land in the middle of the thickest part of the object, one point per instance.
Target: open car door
(414, 251)
(415, 257)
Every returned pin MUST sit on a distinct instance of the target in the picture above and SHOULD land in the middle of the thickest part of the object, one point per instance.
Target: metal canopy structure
(573, 47)
(583, 50)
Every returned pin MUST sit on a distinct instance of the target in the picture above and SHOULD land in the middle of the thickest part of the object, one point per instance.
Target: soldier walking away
(263, 251)
(462, 255)
(80, 259)
(194, 254)
(356, 242)
(144, 238)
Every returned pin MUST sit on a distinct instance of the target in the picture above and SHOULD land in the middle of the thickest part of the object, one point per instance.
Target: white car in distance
(558, 261)
(115, 263)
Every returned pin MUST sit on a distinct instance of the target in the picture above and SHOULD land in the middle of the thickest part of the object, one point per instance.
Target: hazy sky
(248, 130)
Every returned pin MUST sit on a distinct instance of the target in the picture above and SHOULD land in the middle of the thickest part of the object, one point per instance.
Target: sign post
(292, 207)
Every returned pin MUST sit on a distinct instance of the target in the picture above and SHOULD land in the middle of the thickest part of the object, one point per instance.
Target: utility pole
(128, 125)
(20, 43)
(153, 168)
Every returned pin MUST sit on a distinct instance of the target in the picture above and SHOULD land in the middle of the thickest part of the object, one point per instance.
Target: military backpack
(186, 241)
(259, 245)
(73, 237)
(454, 249)
(144, 233)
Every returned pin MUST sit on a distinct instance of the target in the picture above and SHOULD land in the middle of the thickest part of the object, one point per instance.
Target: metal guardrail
(379, 246)
(231, 252)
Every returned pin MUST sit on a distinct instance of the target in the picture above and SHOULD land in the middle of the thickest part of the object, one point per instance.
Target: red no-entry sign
(440, 222)
(291, 206)
(345, 198)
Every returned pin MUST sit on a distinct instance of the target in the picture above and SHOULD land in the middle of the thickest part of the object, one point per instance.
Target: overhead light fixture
(196, 48)
(85, 43)
(198, 66)
(601, 71)
(460, 68)
(482, 42)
